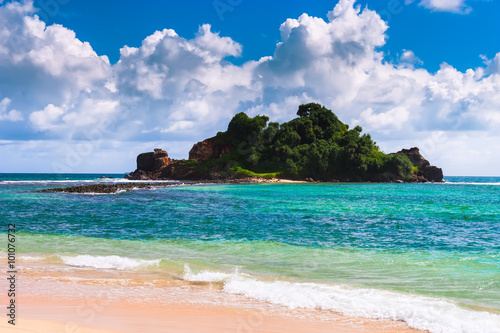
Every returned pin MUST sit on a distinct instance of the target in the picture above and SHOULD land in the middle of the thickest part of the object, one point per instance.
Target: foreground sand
(53, 298)
(78, 315)
(53, 304)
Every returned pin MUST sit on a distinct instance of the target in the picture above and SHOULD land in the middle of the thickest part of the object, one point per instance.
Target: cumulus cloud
(392, 119)
(454, 6)
(493, 66)
(408, 58)
(47, 118)
(173, 87)
(46, 71)
(172, 91)
(12, 115)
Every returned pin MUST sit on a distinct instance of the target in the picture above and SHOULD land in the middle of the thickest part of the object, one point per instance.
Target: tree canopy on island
(315, 145)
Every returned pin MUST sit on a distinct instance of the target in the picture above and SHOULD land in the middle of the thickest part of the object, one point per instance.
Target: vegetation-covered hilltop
(316, 145)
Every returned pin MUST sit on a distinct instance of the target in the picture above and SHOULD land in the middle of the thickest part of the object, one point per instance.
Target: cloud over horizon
(173, 91)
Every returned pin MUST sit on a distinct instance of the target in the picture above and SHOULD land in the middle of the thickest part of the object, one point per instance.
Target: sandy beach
(43, 314)
(90, 301)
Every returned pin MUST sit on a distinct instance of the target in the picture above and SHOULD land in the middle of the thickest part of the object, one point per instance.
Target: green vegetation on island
(315, 145)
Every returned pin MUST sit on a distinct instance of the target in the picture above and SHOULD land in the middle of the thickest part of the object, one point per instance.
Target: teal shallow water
(439, 240)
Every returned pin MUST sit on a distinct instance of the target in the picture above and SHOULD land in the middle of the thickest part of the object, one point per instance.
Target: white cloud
(184, 85)
(493, 65)
(454, 6)
(392, 119)
(47, 119)
(12, 115)
(46, 71)
(172, 92)
(213, 47)
(408, 58)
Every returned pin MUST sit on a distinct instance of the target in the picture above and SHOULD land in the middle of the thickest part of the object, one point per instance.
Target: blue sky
(412, 73)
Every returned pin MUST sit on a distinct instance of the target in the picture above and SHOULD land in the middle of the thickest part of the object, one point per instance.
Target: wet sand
(89, 301)
(40, 314)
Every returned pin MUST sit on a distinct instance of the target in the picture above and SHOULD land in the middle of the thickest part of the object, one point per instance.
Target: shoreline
(90, 301)
(102, 316)
(123, 317)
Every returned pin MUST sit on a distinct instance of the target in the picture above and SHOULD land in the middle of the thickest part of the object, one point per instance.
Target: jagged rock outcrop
(157, 166)
(153, 161)
(415, 157)
(432, 173)
(211, 147)
(426, 171)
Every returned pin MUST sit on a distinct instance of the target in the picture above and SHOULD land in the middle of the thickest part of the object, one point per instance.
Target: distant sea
(426, 254)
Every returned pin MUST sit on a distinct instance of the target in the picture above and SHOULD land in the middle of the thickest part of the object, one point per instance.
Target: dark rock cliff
(211, 147)
(426, 171)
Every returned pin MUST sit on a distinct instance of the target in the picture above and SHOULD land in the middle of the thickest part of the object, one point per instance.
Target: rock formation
(415, 157)
(153, 161)
(211, 147)
(426, 171)
(105, 188)
(432, 173)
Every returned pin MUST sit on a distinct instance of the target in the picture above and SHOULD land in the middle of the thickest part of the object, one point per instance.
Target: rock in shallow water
(104, 188)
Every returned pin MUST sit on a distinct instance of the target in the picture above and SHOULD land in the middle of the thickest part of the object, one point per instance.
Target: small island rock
(153, 161)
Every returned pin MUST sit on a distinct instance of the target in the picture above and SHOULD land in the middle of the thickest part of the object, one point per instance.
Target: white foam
(108, 262)
(45, 182)
(127, 181)
(98, 193)
(208, 276)
(87, 181)
(93, 193)
(31, 258)
(124, 180)
(471, 183)
(420, 312)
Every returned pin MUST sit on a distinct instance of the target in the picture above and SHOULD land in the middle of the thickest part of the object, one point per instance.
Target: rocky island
(316, 146)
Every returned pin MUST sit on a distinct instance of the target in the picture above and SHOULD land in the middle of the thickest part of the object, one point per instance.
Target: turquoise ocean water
(427, 254)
